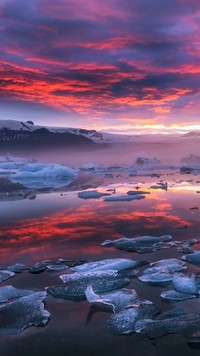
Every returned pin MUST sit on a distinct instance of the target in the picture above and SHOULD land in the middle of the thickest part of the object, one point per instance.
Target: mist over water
(168, 149)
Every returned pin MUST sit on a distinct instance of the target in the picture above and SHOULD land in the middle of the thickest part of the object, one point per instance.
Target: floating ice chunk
(159, 328)
(185, 284)
(41, 175)
(23, 313)
(119, 300)
(124, 197)
(57, 267)
(9, 292)
(17, 268)
(140, 244)
(172, 313)
(137, 192)
(117, 264)
(125, 321)
(176, 296)
(163, 186)
(171, 265)
(158, 278)
(193, 258)
(4, 274)
(91, 194)
(75, 284)
(143, 161)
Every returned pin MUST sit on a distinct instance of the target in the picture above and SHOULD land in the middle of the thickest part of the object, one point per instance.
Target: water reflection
(62, 225)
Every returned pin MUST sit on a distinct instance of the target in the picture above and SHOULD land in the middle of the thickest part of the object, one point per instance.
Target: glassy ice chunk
(125, 321)
(117, 264)
(159, 328)
(171, 265)
(125, 197)
(119, 300)
(176, 296)
(158, 278)
(57, 267)
(4, 274)
(23, 313)
(185, 284)
(75, 284)
(17, 268)
(91, 194)
(10, 292)
(140, 244)
(193, 258)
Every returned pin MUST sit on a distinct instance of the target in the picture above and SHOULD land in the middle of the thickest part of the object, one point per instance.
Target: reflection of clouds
(77, 232)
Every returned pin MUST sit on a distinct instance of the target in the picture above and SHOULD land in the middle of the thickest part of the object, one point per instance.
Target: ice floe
(124, 197)
(186, 284)
(91, 194)
(173, 295)
(23, 313)
(117, 264)
(5, 274)
(193, 258)
(75, 284)
(140, 244)
(10, 292)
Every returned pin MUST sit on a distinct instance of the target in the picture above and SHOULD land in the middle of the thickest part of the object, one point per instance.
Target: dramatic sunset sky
(116, 65)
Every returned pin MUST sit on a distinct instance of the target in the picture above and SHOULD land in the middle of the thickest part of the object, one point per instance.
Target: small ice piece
(75, 284)
(140, 244)
(17, 268)
(58, 267)
(193, 258)
(23, 313)
(4, 274)
(137, 192)
(91, 194)
(117, 264)
(10, 292)
(124, 198)
(158, 278)
(159, 328)
(185, 284)
(163, 186)
(173, 295)
(39, 267)
(125, 321)
(171, 265)
(119, 300)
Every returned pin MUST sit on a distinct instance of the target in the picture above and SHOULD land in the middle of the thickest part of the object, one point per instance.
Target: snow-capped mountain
(13, 133)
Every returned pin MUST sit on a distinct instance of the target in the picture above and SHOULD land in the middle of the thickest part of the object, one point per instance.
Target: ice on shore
(173, 295)
(193, 258)
(186, 284)
(5, 274)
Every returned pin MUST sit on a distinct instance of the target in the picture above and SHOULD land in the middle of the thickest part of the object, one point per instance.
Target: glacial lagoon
(54, 233)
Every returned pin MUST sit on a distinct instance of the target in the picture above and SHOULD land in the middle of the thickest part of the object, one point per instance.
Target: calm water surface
(60, 224)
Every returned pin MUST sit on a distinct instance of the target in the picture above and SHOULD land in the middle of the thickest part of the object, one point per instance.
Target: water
(61, 225)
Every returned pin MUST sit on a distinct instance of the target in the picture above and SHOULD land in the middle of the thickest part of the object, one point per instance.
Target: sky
(115, 65)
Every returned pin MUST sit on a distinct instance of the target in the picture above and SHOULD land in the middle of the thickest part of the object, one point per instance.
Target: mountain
(18, 134)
